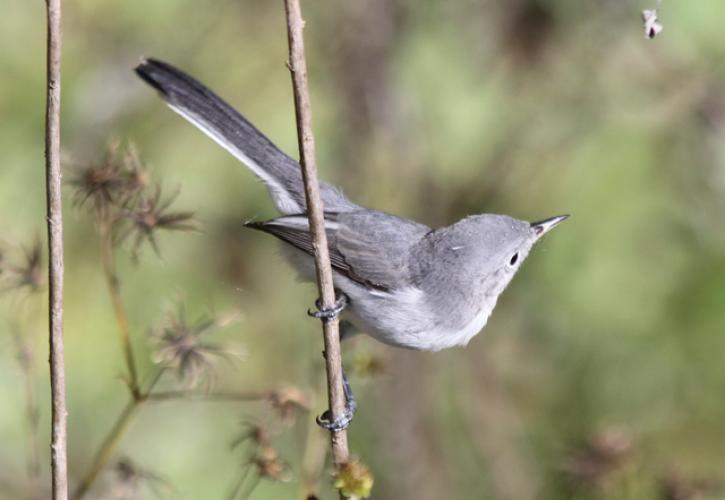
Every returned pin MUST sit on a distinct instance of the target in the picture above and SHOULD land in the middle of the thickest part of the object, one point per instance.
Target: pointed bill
(544, 226)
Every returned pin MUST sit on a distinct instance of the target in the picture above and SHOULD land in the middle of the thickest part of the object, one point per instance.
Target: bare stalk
(59, 466)
(105, 452)
(315, 212)
(119, 310)
(113, 438)
(115, 434)
(223, 397)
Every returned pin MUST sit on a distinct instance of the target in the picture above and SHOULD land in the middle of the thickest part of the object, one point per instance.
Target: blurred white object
(652, 25)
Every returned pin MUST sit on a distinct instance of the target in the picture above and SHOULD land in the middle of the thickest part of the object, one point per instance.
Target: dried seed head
(137, 175)
(128, 478)
(676, 486)
(288, 403)
(150, 214)
(180, 345)
(114, 181)
(254, 432)
(269, 465)
(594, 462)
(27, 273)
(353, 478)
(263, 457)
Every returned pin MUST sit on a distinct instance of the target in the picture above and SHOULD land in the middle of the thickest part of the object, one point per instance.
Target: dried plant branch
(223, 397)
(333, 363)
(105, 452)
(113, 438)
(107, 448)
(119, 309)
(59, 464)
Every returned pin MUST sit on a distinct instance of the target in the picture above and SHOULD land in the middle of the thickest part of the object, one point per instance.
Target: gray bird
(405, 284)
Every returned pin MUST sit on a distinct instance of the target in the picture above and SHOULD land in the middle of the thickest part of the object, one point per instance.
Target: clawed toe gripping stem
(329, 313)
(341, 423)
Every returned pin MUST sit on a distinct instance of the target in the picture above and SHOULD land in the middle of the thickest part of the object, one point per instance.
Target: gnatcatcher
(408, 285)
(404, 283)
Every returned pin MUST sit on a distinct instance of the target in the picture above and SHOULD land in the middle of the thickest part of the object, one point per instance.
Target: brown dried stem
(113, 438)
(59, 465)
(105, 452)
(222, 397)
(315, 212)
(119, 310)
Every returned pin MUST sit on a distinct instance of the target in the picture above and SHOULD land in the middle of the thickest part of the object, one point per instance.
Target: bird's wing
(369, 247)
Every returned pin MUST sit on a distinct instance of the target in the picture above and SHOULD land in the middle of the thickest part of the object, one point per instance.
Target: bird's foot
(329, 313)
(342, 422)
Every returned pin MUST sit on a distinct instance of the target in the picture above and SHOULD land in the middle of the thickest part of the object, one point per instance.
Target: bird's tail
(203, 108)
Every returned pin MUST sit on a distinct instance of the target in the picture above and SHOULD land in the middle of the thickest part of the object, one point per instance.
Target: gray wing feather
(369, 247)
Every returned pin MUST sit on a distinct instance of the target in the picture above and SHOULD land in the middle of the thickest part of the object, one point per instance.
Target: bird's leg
(347, 330)
(325, 420)
(341, 423)
(328, 313)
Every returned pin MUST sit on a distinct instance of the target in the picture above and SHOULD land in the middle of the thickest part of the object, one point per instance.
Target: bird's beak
(542, 227)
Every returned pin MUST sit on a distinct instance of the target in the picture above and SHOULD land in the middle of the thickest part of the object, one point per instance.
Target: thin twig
(238, 492)
(105, 452)
(315, 212)
(59, 466)
(113, 438)
(222, 397)
(119, 310)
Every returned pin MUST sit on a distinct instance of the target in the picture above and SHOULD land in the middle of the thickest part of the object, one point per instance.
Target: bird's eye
(514, 259)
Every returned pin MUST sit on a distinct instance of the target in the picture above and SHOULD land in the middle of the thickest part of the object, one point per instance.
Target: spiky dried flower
(677, 486)
(27, 273)
(288, 402)
(594, 462)
(263, 459)
(180, 345)
(136, 173)
(354, 479)
(114, 181)
(254, 432)
(150, 214)
(269, 465)
(128, 478)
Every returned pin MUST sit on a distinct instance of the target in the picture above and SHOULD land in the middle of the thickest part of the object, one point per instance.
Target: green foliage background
(431, 110)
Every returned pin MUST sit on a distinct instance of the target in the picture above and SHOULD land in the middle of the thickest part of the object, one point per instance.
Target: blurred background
(600, 374)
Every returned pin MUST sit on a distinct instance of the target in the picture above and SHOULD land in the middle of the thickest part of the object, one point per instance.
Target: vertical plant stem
(333, 363)
(59, 466)
(119, 310)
